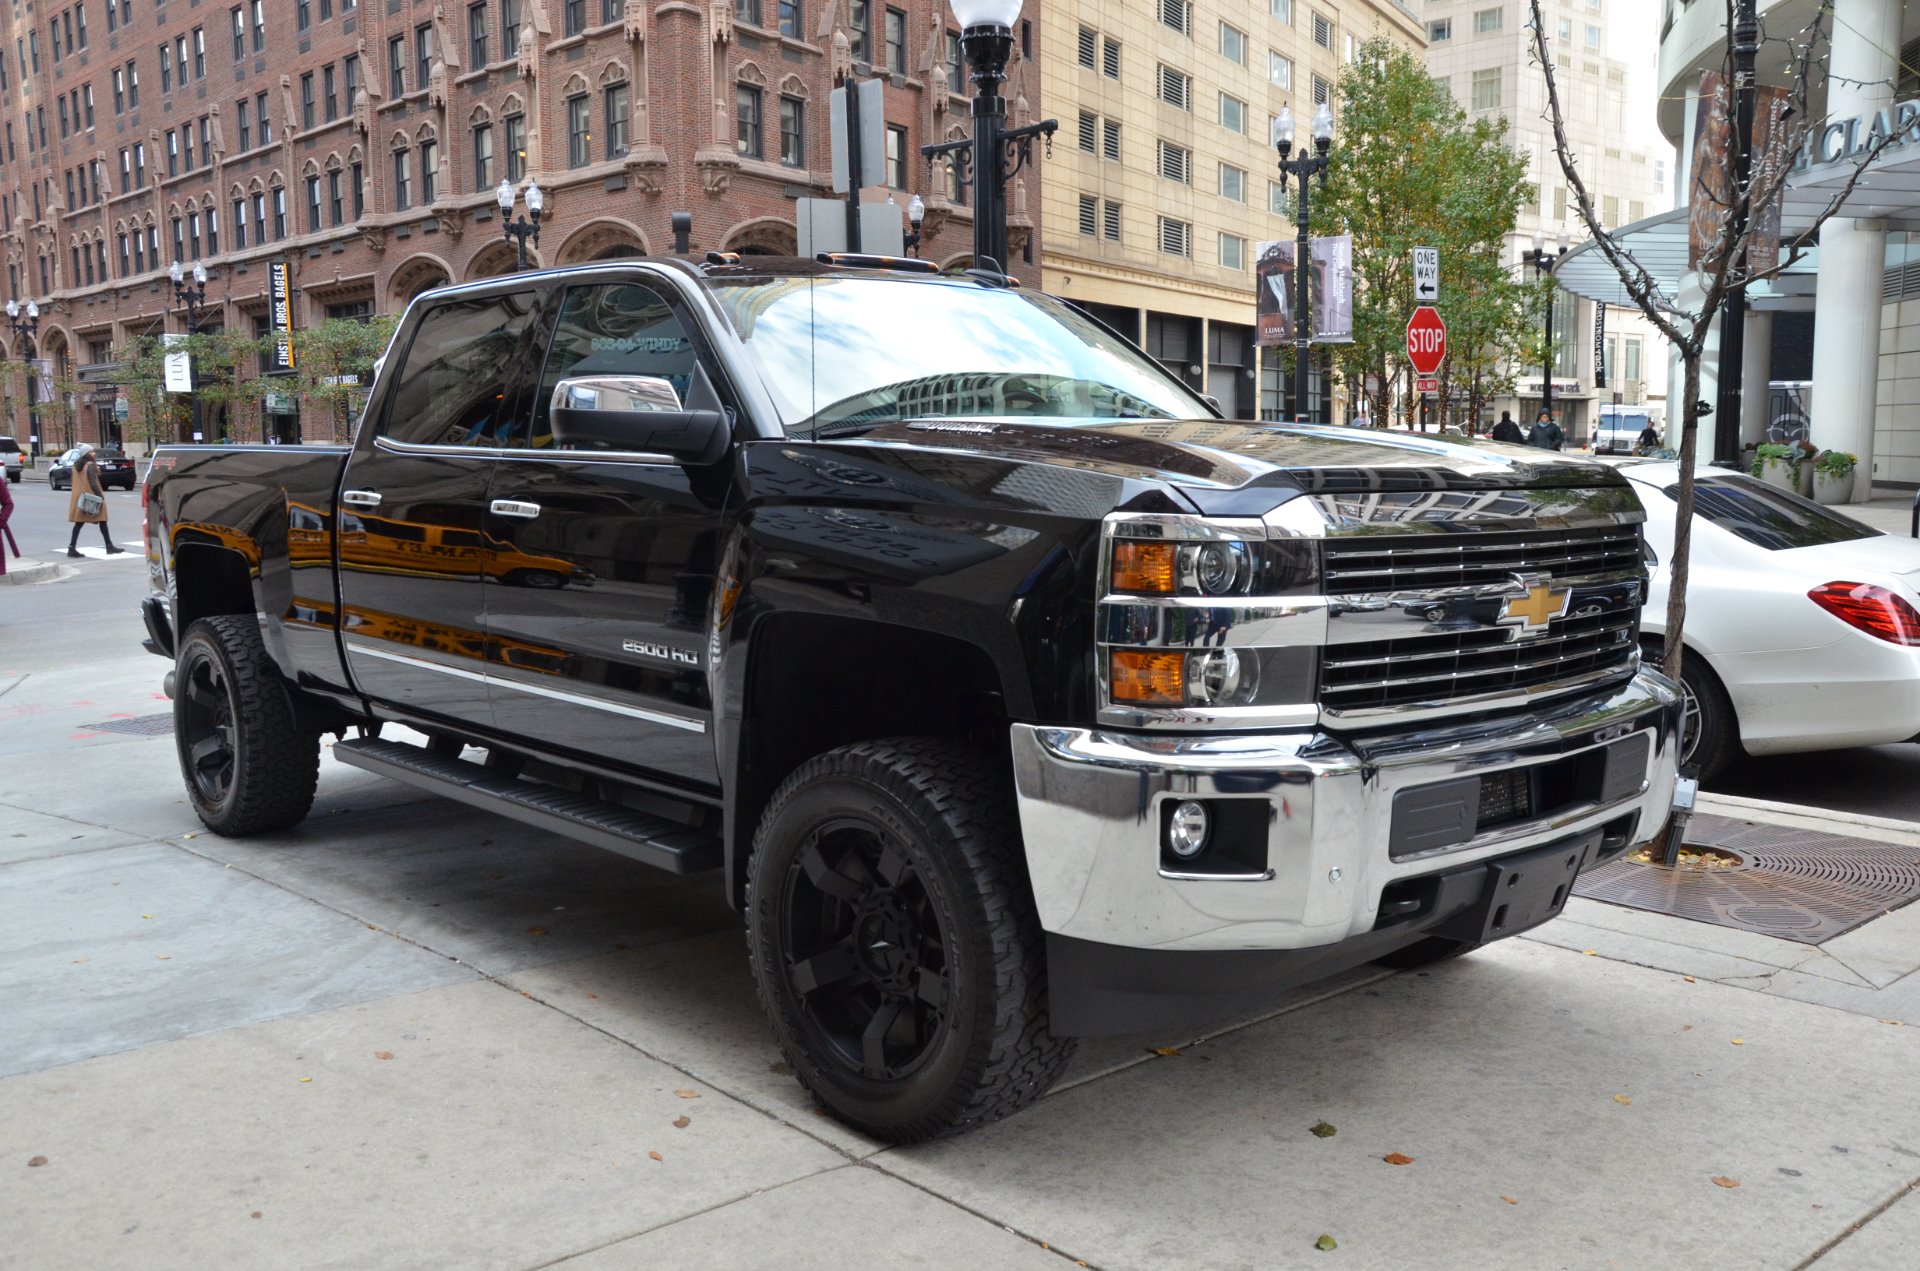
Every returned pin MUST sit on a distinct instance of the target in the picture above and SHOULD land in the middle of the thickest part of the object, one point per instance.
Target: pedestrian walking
(1546, 434)
(88, 503)
(1508, 431)
(6, 514)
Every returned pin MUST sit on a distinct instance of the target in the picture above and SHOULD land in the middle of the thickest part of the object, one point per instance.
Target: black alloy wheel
(894, 943)
(249, 766)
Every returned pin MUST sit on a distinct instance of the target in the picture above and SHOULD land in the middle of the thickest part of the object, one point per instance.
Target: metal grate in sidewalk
(160, 725)
(1790, 883)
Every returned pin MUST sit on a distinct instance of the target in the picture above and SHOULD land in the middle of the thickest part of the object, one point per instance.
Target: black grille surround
(1442, 667)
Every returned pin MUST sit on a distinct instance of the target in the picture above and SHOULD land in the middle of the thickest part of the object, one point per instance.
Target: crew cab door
(601, 563)
(411, 523)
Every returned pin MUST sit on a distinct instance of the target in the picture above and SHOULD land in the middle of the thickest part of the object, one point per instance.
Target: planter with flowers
(1833, 477)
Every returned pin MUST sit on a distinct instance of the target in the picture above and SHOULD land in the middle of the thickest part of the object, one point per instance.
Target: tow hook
(1685, 791)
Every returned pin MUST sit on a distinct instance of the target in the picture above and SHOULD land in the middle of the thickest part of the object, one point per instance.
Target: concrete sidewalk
(407, 1035)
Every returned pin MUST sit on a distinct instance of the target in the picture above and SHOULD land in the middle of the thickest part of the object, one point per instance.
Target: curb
(1805, 817)
(21, 574)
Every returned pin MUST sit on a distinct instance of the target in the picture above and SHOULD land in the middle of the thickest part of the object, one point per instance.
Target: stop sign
(1426, 340)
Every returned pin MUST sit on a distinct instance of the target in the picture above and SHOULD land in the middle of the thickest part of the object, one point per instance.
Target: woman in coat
(6, 535)
(86, 481)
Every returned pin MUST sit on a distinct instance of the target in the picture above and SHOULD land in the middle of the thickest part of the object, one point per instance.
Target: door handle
(360, 498)
(508, 507)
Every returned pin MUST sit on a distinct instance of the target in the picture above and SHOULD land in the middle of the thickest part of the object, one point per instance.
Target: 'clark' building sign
(1839, 140)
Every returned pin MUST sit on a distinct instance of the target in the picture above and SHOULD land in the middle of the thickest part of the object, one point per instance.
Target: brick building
(362, 141)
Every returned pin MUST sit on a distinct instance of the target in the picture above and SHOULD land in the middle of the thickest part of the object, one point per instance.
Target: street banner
(280, 314)
(1273, 293)
(1599, 344)
(177, 363)
(1710, 195)
(1332, 283)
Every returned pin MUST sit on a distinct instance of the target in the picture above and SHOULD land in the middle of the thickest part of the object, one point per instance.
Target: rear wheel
(249, 767)
(893, 940)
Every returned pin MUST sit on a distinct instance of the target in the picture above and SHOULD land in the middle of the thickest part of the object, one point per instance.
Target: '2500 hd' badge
(1529, 612)
(663, 652)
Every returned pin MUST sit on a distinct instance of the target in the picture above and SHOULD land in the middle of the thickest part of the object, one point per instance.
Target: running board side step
(651, 840)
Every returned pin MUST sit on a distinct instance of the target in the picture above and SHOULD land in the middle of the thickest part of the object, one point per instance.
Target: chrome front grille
(1449, 667)
(1390, 563)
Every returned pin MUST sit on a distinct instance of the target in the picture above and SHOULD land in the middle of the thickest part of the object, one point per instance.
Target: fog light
(1187, 831)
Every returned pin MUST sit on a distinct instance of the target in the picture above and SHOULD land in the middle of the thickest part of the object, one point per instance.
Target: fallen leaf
(1894, 1022)
(1623, 1098)
(148, 917)
(536, 931)
(655, 1156)
(1321, 1130)
(1397, 1158)
(1511, 1200)
(191, 836)
(305, 1080)
(1721, 1180)
(38, 1160)
(681, 1123)
(1592, 953)
(163, 957)
(254, 1214)
(1326, 1244)
(1166, 1050)
(383, 1054)
(1686, 1028)
(687, 1094)
(1739, 1041)
(1689, 979)
(593, 997)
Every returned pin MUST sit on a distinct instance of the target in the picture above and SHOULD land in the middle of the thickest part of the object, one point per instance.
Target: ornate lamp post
(1543, 258)
(23, 330)
(916, 215)
(193, 297)
(1305, 168)
(996, 153)
(526, 227)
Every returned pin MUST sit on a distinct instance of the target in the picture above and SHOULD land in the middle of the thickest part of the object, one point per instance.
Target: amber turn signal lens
(1143, 567)
(1149, 679)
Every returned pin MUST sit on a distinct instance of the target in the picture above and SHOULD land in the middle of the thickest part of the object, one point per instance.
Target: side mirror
(640, 413)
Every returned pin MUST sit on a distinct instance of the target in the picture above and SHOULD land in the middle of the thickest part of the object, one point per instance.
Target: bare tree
(1724, 270)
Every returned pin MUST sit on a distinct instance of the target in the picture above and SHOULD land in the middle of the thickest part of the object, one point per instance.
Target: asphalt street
(405, 1034)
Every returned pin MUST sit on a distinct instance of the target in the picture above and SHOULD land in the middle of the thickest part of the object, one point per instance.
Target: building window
(173, 153)
(239, 31)
(397, 67)
(1279, 70)
(1593, 36)
(1233, 252)
(1174, 162)
(330, 96)
(747, 137)
(213, 230)
(266, 121)
(1177, 14)
(573, 17)
(350, 74)
(1233, 183)
(1486, 88)
(429, 171)
(179, 238)
(1089, 215)
(616, 112)
(897, 156)
(1486, 20)
(1233, 44)
(896, 36)
(793, 138)
(1110, 221)
(747, 11)
(133, 86)
(139, 165)
(790, 19)
(86, 98)
(166, 68)
(402, 181)
(336, 206)
(1233, 113)
(1322, 91)
(1089, 47)
(1109, 58)
(477, 35)
(1323, 31)
(509, 28)
(199, 52)
(1441, 30)
(579, 132)
(423, 54)
(239, 223)
(279, 212)
(119, 91)
(302, 15)
(126, 248)
(1110, 139)
(259, 218)
(259, 26)
(357, 179)
(246, 126)
(306, 100)
(483, 157)
(1566, 28)
(1176, 237)
(516, 139)
(860, 39)
(1089, 131)
(957, 63)
(1175, 87)
(313, 205)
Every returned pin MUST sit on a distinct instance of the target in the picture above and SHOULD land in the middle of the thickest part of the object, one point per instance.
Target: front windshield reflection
(841, 355)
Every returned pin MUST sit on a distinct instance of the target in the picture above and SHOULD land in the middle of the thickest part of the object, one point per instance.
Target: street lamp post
(1304, 169)
(996, 152)
(23, 330)
(916, 214)
(1543, 258)
(526, 227)
(193, 297)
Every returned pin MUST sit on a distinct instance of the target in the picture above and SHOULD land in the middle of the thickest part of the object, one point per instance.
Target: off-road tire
(274, 764)
(949, 809)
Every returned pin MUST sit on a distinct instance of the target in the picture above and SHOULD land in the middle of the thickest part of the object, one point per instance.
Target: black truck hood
(1228, 467)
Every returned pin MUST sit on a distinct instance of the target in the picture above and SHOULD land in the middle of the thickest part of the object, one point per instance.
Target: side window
(453, 385)
(613, 329)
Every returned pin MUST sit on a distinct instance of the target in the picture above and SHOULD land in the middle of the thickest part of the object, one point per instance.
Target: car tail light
(1875, 610)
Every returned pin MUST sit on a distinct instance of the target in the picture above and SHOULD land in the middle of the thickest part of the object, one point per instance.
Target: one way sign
(1426, 275)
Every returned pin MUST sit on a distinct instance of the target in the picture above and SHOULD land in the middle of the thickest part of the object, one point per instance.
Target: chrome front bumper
(1090, 812)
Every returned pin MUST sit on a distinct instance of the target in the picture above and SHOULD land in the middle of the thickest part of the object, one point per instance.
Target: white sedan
(1802, 629)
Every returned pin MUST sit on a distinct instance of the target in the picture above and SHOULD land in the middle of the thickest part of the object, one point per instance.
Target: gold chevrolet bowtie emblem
(1532, 611)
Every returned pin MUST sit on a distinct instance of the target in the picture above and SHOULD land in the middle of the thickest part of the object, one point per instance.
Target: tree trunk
(1683, 519)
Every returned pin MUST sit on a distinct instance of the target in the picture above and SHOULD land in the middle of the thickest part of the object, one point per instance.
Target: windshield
(1623, 423)
(1768, 516)
(844, 354)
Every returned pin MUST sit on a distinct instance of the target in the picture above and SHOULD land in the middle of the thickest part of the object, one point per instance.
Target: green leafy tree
(1412, 170)
(333, 365)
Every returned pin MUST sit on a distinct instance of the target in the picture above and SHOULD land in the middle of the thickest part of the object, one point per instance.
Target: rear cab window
(1768, 516)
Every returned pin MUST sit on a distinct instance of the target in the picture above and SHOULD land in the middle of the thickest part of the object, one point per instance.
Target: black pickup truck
(1011, 693)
